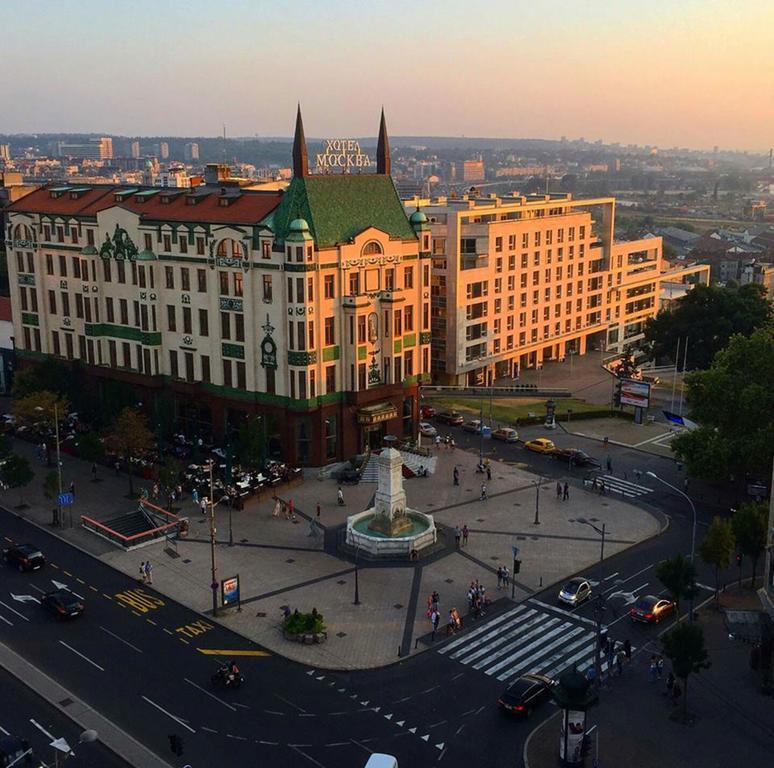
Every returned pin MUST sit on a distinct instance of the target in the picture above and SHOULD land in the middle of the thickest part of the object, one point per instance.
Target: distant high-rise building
(470, 170)
(173, 177)
(191, 152)
(135, 149)
(164, 150)
(94, 149)
(5, 152)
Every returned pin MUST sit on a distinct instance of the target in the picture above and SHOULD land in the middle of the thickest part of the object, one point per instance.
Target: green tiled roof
(339, 206)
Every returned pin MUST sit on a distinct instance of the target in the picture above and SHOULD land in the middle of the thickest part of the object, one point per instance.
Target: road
(22, 709)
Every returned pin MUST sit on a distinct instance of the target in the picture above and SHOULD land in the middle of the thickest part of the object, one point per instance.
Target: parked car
(450, 417)
(540, 445)
(525, 694)
(474, 425)
(427, 411)
(63, 604)
(25, 557)
(507, 434)
(577, 456)
(427, 429)
(575, 591)
(15, 751)
(651, 609)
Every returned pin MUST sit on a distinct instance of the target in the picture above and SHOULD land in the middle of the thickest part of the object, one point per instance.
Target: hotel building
(519, 280)
(308, 308)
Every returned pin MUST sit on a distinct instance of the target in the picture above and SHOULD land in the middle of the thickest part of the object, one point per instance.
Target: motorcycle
(226, 678)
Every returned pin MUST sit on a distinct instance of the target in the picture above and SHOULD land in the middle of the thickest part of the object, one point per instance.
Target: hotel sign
(342, 153)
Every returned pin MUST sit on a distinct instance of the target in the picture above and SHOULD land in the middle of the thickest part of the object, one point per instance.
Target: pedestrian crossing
(624, 487)
(526, 639)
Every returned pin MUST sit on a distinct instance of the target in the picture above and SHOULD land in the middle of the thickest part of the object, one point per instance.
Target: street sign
(230, 591)
(65, 499)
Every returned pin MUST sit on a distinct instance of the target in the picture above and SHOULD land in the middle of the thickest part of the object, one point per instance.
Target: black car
(25, 557)
(14, 751)
(63, 604)
(578, 457)
(524, 695)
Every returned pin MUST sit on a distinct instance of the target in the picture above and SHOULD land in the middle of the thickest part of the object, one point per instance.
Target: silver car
(575, 591)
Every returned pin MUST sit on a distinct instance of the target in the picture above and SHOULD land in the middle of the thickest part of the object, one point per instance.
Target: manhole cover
(521, 538)
(468, 490)
(260, 615)
(605, 504)
(516, 503)
(66, 702)
(341, 634)
(534, 538)
(480, 519)
(430, 505)
(243, 541)
(398, 606)
(187, 560)
(594, 519)
(341, 581)
(290, 560)
(449, 581)
(494, 557)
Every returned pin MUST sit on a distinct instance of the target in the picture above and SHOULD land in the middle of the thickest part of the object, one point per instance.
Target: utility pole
(536, 521)
(674, 375)
(682, 382)
(214, 583)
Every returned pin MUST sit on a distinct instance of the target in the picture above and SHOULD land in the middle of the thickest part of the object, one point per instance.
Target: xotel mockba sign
(342, 153)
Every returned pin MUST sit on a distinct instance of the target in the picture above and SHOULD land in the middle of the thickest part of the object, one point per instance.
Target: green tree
(17, 473)
(169, 475)
(51, 485)
(733, 403)
(718, 548)
(678, 576)
(749, 524)
(708, 315)
(39, 408)
(684, 647)
(133, 438)
(90, 447)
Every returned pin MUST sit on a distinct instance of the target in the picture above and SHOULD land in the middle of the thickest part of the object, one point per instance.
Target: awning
(376, 414)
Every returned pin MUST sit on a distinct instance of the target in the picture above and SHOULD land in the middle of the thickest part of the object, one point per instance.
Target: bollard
(416, 644)
(398, 651)
(541, 581)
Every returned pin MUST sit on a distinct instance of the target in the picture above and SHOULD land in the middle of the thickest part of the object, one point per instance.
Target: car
(651, 609)
(526, 693)
(575, 455)
(506, 434)
(474, 425)
(25, 557)
(540, 445)
(427, 429)
(575, 591)
(427, 411)
(15, 751)
(450, 417)
(63, 604)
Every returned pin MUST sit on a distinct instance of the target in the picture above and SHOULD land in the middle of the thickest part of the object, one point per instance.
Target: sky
(694, 73)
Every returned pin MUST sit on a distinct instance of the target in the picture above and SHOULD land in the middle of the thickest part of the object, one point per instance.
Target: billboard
(634, 392)
(230, 591)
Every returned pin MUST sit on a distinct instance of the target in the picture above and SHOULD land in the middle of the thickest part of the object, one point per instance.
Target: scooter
(225, 678)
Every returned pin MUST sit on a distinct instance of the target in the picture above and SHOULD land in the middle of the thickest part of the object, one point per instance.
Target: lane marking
(195, 628)
(78, 653)
(238, 738)
(67, 573)
(9, 623)
(109, 597)
(121, 639)
(612, 575)
(169, 714)
(150, 621)
(168, 631)
(209, 730)
(93, 589)
(221, 652)
(38, 589)
(20, 615)
(270, 743)
(4, 731)
(571, 614)
(295, 706)
(211, 695)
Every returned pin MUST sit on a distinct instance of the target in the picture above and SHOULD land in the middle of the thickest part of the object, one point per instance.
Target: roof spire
(300, 156)
(383, 148)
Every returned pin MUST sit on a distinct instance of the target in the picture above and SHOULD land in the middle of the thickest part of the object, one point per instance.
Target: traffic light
(516, 566)
(175, 744)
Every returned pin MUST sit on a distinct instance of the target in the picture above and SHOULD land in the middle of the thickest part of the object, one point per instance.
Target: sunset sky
(692, 73)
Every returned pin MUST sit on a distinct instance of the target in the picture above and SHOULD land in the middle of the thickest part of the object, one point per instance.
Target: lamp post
(213, 564)
(357, 584)
(538, 483)
(58, 459)
(599, 609)
(693, 534)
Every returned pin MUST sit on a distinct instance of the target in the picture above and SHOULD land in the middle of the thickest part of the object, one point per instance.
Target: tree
(39, 407)
(132, 437)
(749, 524)
(51, 485)
(17, 473)
(90, 447)
(717, 548)
(684, 647)
(678, 576)
(708, 315)
(169, 475)
(733, 403)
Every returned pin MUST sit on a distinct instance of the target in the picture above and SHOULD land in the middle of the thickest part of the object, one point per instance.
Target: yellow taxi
(540, 445)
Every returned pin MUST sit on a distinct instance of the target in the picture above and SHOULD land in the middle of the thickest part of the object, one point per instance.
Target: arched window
(22, 232)
(372, 248)
(230, 249)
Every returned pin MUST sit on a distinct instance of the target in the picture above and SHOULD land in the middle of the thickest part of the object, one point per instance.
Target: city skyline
(688, 76)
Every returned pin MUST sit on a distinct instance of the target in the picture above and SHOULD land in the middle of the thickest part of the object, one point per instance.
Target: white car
(427, 429)
(575, 591)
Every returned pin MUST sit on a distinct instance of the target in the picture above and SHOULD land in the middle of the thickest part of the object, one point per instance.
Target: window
(223, 278)
(121, 266)
(167, 243)
(408, 319)
(66, 304)
(241, 375)
(329, 286)
(185, 279)
(183, 243)
(52, 302)
(310, 325)
(79, 305)
(361, 329)
(271, 385)
(330, 331)
(361, 376)
(112, 353)
(106, 276)
(47, 232)
(60, 234)
(200, 246)
(225, 325)
(267, 289)
(141, 275)
(389, 279)
(239, 322)
(525, 240)
(126, 352)
(354, 283)
(201, 277)
(169, 277)
(173, 370)
(148, 241)
(408, 277)
(408, 362)
(299, 289)
(398, 322)
(187, 322)
(49, 264)
(171, 317)
(204, 325)
(238, 285)
(266, 249)
(206, 368)
(189, 366)
(111, 318)
(498, 245)
(227, 381)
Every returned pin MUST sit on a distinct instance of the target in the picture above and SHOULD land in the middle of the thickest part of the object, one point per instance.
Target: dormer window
(372, 248)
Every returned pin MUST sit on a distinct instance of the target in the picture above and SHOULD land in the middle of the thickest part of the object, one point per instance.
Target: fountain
(390, 527)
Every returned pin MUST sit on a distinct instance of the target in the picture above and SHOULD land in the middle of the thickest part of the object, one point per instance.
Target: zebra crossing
(528, 638)
(624, 487)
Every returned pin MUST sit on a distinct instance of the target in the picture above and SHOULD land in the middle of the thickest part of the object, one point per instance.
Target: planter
(307, 639)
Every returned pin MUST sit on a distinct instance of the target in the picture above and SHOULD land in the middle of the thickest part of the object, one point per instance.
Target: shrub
(304, 623)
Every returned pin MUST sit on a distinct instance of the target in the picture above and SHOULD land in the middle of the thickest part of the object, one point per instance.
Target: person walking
(499, 577)
(465, 533)
(203, 505)
(659, 666)
(318, 510)
(653, 669)
(435, 617)
(506, 577)
(94, 472)
(620, 657)
(195, 496)
(483, 496)
(457, 535)
(142, 573)
(609, 464)
(292, 509)
(277, 507)
(559, 491)
(456, 476)
(149, 572)
(670, 684)
(488, 472)
(72, 488)
(435, 600)
(340, 497)
(627, 649)
(117, 466)
(566, 492)
(601, 487)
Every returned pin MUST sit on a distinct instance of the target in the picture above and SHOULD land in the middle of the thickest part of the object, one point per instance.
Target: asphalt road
(23, 713)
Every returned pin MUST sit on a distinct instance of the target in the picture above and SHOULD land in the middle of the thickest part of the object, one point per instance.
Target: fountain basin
(422, 534)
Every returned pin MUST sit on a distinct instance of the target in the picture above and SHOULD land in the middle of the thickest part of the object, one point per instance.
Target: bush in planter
(304, 623)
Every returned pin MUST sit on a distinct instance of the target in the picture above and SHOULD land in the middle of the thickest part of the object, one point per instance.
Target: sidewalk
(633, 719)
(280, 564)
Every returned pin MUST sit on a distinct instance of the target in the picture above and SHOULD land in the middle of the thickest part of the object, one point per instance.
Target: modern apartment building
(308, 308)
(94, 149)
(191, 152)
(519, 280)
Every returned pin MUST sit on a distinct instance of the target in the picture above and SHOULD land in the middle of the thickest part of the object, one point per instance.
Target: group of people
(562, 492)
(146, 572)
(286, 508)
(478, 601)
(461, 534)
(448, 441)
(503, 577)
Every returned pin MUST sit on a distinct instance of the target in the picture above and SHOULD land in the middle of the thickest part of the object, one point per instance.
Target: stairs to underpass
(411, 460)
(132, 529)
(131, 523)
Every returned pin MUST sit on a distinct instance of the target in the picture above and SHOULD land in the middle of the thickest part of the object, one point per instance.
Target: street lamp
(538, 483)
(357, 585)
(58, 458)
(693, 533)
(599, 609)
(213, 565)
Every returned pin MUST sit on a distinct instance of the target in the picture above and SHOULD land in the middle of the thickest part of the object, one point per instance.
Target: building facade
(309, 309)
(519, 280)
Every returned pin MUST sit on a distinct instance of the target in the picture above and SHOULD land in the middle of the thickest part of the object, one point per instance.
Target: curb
(118, 741)
(525, 751)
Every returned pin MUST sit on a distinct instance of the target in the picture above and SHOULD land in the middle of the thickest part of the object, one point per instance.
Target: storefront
(372, 420)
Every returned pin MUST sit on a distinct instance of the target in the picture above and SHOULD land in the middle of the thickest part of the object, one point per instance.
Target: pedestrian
(149, 572)
(452, 444)
(179, 491)
(457, 535)
(559, 491)
(117, 466)
(435, 599)
(601, 487)
(627, 648)
(670, 683)
(318, 510)
(488, 472)
(610, 653)
(594, 484)
(499, 578)
(660, 666)
(456, 476)
(94, 472)
(203, 505)
(155, 491)
(72, 488)
(620, 657)
(435, 617)
(340, 497)
(277, 507)
(195, 496)
(506, 577)
(676, 693)
(465, 533)
(653, 669)
(609, 466)
(566, 492)
(292, 509)
(438, 442)
(483, 496)
(637, 475)
(142, 573)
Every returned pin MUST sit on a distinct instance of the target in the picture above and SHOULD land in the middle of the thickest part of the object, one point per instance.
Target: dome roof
(298, 225)
(418, 217)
